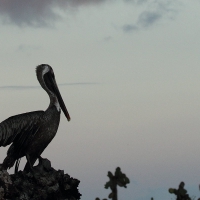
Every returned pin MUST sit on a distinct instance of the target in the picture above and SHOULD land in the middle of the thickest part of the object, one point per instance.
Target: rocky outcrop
(42, 183)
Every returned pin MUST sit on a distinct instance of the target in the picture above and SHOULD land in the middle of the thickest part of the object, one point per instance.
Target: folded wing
(20, 129)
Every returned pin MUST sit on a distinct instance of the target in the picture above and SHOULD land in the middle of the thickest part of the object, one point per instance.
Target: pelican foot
(45, 163)
(2, 167)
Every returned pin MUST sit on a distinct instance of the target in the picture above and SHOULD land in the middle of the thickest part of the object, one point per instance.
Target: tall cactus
(119, 179)
(181, 192)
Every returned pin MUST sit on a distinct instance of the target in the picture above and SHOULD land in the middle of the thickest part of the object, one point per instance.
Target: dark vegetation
(181, 193)
(118, 179)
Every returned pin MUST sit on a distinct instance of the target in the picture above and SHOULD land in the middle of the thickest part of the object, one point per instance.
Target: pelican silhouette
(30, 133)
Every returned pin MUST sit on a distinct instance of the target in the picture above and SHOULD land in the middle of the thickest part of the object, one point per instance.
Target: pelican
(30, 133)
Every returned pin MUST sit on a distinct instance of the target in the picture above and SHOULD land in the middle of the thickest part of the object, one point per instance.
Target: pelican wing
(19, 128)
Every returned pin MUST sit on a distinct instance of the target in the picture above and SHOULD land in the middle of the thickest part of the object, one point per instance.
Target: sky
(128, 71)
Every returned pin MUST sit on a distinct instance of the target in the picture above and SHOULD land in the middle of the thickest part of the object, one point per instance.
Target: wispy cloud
(129, 28)
(79, 83)
(28, 87)
(17, 87)
(152, 12)
(37, 13)
(148, 18)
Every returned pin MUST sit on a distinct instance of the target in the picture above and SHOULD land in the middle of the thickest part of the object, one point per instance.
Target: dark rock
(43, 183)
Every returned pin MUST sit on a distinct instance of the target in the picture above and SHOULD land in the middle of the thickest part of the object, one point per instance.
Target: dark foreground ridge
(45, 183)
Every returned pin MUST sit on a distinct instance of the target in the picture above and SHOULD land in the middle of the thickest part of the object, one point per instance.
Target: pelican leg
(17, 165)
(8, 162)
(30, 164)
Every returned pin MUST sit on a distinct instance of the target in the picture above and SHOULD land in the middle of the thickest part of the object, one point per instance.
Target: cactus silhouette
(181, 192)
(118, 179)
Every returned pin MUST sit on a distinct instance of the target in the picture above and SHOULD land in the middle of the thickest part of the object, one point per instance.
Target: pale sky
(128, 71)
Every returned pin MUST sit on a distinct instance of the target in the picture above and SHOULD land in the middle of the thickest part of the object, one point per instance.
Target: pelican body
(30, 133)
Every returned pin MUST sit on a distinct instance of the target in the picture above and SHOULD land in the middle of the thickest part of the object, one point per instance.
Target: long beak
(61, 102)
(54, 88)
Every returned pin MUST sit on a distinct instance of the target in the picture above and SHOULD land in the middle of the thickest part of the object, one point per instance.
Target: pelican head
(46, 78)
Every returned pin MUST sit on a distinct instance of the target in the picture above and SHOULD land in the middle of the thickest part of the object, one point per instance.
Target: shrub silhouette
(181, 192)
(118, 179)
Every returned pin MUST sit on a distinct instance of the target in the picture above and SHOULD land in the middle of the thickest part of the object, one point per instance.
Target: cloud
(79, 83)
(145, 20)
(37, 13)
(129, 28)
(148, 18)
(17, 87)
(151, 13)
(44, 13)
(28, 87)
